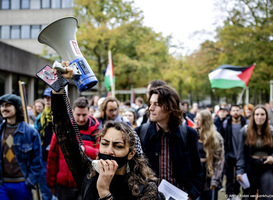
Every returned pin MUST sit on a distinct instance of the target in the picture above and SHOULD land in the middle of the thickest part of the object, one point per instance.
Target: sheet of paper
(172, 192)
(245, 183)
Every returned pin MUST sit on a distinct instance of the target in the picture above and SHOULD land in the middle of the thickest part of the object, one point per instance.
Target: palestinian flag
(109, 79)
(190, 123)
(228, 76)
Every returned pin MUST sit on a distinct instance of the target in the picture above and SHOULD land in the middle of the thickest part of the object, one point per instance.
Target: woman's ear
(131, 154)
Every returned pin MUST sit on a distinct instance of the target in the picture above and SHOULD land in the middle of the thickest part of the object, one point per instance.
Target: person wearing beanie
(21, 152)
(43, 125)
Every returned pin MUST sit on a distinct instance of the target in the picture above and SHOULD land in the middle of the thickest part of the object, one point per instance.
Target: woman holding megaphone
(121, 171)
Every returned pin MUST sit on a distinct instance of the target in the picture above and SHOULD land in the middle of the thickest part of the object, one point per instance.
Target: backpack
(182, 128)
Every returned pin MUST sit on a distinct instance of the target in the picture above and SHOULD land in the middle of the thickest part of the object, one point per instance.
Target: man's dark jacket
(226, 132)
(185, 160)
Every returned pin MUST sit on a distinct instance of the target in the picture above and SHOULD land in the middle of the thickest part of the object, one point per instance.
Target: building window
(5, 4)
(46, 4)
(15, 32)
(15, 4)
(35, 30)
(55, 3)
(25, 4)
(25, 31)
(5, 32)
(67, 3)
(35, 4)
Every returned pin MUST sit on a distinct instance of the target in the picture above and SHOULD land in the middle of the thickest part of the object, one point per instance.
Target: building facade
(20, 24)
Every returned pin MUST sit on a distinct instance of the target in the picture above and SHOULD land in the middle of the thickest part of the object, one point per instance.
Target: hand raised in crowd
(69, 70)
(67, 75)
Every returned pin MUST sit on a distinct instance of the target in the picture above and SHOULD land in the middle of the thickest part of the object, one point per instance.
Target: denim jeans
(45, 191)
(14, 191)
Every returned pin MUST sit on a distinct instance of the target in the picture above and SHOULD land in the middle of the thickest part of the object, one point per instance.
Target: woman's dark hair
(156, 83)
(140, 173)
(170, 102)
(252, 130)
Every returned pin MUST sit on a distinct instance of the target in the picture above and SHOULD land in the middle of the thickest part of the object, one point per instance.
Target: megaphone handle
(59, 67)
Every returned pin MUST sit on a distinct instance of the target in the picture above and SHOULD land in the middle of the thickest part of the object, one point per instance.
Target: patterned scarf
(46, 117)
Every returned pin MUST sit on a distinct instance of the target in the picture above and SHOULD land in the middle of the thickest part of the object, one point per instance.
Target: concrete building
(20, 24)
(22, 20)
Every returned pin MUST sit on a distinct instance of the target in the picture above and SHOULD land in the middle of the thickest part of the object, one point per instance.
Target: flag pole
(111, 76)
(247, 95)
(240, 97)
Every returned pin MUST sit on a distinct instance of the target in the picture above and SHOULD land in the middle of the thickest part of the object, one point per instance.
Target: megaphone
(60, 35)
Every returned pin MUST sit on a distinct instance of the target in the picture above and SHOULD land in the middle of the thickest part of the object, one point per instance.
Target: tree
(246, 38)
(138, 53)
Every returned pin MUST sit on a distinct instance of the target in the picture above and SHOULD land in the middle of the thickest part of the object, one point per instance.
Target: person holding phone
(123, 170)
(255, 156)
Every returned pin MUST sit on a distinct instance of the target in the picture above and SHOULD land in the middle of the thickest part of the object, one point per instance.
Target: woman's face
(259, 116)
(130, 116)
(248, 112)
(198, 121)
(113, 144)
(39, 107)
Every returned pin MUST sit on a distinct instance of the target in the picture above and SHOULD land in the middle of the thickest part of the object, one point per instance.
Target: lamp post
(271, 90)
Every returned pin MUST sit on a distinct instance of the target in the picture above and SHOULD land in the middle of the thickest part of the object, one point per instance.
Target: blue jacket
(185, 160)
(28, 152)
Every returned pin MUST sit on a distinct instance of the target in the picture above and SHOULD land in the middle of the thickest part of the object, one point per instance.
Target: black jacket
(186, 163)
(226, 132)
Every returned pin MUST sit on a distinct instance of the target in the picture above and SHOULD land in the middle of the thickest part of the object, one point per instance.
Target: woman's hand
(239, 178)
(67, 75)
(69, 70)
(108, 169)
(269, 160)
(212, 187)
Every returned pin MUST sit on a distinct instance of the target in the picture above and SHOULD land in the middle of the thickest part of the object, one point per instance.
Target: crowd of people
(137, 146)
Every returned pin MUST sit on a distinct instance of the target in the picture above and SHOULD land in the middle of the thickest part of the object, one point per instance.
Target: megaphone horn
(60, 35)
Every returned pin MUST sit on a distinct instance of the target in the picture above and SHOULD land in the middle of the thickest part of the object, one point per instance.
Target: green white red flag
(109, 79)
(228, 76)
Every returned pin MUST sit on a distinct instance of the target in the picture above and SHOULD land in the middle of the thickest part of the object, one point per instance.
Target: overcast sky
(181, 19)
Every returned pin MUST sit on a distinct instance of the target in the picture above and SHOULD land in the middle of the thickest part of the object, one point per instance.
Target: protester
(92, 110)
(193, 111)
(59, 178)
(130, 114)
(21, 152)
(38, 107)
(247, 110)
(211, 151)
(109, 110)
(43, 125)
(31, 118)
(231, 135)
(220, 118)
(171, 147)
(123, 172)
(152, 84)
(140, 106)
(255, 155)
(94, 102)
